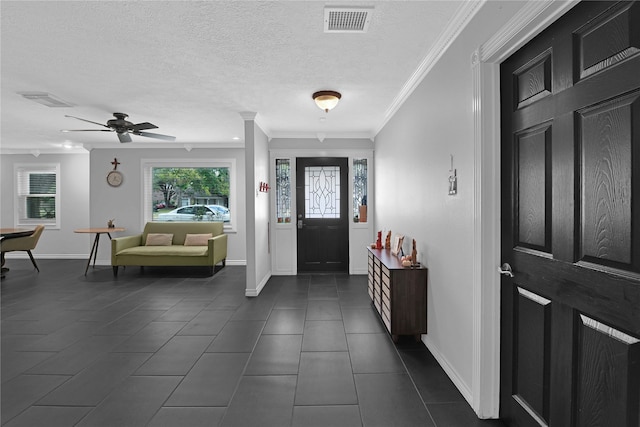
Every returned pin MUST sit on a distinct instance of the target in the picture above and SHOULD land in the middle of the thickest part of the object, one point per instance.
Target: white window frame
(147, 183)
(21, 173)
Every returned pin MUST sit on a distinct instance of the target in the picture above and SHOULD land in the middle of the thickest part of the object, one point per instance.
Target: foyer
(176, 347)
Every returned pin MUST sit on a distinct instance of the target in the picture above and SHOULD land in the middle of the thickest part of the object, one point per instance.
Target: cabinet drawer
(371, 292)
(385, 271)
(386, 280)
(386, 301)
(386, 321)
(386, 288)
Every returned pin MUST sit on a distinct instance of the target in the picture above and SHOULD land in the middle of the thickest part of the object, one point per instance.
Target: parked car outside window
(193, 213)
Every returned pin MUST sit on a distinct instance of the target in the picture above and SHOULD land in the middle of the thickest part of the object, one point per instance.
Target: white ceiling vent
(347, 19)
(45, 99)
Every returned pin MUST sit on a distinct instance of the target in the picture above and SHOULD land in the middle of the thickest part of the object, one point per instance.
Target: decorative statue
(110, 223)
(387, 242)
(379, 241)
(414, 254)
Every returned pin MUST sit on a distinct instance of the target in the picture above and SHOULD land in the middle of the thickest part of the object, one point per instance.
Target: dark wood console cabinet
(398, 293)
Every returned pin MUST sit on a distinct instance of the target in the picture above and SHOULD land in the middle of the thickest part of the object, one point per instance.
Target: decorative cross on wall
(115, 163)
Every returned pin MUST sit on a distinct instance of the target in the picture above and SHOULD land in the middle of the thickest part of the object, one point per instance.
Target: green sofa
(131, 250)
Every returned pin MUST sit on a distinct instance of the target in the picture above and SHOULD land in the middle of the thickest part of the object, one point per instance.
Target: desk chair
(23, 244)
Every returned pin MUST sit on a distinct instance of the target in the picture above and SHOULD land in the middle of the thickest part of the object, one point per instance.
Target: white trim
(458, 23)
(457, 380)
(531, 20)
(255, 292)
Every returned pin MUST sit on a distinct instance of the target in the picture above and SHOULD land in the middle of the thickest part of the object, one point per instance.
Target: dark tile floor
(175, 347)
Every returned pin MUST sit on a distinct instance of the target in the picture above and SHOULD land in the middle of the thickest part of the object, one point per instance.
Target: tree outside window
(174, 187)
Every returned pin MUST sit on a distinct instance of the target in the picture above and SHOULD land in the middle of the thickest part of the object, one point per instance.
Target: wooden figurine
(414, 253)
(387, 242)
(379, 241)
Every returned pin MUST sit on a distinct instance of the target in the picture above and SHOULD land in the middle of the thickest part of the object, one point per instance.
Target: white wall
(124, 203)
(74, 210)
(257, 170)
(412, 156)
(262, 212)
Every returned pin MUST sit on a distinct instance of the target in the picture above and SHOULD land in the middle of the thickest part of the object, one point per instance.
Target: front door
(570, 314)
(322, 217)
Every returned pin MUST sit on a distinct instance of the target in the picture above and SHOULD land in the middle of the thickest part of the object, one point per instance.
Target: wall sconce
(453, 179)
(326, 99)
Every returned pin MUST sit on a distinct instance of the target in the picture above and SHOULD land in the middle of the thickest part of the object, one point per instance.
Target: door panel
(322, 214)
(570, 316)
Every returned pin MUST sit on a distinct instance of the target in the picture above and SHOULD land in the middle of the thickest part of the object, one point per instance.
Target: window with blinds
(37, 195)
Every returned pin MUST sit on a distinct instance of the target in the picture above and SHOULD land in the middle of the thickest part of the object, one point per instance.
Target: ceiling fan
(123, 128)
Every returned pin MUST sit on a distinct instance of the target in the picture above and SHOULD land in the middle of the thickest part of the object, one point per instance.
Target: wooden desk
(96, 241)
(12, 233)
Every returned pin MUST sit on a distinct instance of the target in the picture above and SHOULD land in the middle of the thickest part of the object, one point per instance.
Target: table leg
(95, 254)
(94, 250)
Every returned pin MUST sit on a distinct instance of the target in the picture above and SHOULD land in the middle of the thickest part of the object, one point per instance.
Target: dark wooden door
(322, 217)
(570, 315)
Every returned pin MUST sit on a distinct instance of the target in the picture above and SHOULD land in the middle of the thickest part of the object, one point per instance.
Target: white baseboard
(449, 370)
(24, 255)
(261, 285)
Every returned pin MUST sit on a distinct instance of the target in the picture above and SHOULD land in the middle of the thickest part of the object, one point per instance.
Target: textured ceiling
(191, 67)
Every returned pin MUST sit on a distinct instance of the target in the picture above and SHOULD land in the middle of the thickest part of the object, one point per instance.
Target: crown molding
(522, 27)
(460, 20)
(248, 115)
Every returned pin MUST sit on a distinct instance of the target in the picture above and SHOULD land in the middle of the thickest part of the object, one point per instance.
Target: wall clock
(114, 177)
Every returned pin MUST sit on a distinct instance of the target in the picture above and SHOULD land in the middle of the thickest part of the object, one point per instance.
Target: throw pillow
(197, 239)
(159, 239)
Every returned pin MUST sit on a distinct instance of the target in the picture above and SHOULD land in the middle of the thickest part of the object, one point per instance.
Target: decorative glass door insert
(283, 190)
(322, 191)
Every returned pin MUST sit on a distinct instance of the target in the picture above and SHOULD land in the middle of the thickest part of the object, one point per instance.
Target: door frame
(284, 236)
(532, 19)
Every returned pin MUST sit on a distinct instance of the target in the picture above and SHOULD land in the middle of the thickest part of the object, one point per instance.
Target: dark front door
(322, 217)
(570, 315)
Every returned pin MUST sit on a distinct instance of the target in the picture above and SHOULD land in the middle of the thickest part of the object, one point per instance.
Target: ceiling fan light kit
(326, 99)
(123, 128)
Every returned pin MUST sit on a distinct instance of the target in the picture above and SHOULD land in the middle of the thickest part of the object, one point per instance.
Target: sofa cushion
(197, 239)
(159, 239)
(171, 251)
(180, 229)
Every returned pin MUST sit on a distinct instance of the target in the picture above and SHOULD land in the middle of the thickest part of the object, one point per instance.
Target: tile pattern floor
(175, 347)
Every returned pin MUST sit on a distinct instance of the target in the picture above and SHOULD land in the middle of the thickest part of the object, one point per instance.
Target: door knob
(505, 270)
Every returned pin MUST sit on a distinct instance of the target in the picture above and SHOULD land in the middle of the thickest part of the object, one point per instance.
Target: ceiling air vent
(45, 98)
(347, 19)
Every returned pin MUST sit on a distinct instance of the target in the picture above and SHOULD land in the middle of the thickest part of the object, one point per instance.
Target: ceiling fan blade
(143, 126)
(156, 136)
(88, 121)
(86, 130)
(124, 137)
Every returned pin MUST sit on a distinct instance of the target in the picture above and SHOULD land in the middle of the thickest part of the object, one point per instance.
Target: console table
(398, 293)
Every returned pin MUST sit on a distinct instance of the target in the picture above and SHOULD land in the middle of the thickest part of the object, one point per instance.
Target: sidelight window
(360, 190)
(283, 190)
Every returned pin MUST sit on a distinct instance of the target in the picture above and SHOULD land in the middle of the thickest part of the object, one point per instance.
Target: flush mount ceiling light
(326, 99)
